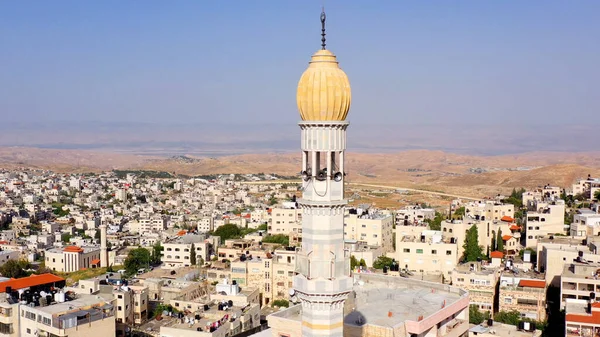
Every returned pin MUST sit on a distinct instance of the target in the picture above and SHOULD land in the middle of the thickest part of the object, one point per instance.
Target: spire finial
(323, 27)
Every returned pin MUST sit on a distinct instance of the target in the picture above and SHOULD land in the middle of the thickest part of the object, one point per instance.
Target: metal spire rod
(323, 28)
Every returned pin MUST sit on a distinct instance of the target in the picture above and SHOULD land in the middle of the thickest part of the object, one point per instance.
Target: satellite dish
(305, 175)
(292, 292)
(294, 299)
(338, 176)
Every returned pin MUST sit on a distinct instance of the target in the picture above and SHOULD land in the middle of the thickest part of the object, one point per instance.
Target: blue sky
(192, 62)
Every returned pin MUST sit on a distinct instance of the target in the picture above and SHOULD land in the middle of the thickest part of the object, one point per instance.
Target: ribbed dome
(324, 90)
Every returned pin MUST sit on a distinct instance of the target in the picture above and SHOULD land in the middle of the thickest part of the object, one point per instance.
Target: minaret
(323, 281)
(103, 248)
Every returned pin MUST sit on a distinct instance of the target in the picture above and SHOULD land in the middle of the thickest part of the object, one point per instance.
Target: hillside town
(143, 256)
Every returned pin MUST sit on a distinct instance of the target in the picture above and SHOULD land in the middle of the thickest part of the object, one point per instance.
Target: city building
(390, 306)
(177, 253)
(72, 258)
(286, 220)
(480, 281)
(523, 292)
(371, 227)
(427, 253)
(544, 218)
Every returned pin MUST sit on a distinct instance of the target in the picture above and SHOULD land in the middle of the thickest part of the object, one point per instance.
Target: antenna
(323, 17)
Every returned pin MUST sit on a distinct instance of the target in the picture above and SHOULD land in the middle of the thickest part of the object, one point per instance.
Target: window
(433, 251)
(267, 275)
(448, 252)
(406, 250)
(364, 226)
(508, 300)
(419, 251)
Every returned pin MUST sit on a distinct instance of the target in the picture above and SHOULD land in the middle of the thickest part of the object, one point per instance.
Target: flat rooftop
(406, 300)
(83, 301)
(167, 273)
(500, 329)
(378, 295)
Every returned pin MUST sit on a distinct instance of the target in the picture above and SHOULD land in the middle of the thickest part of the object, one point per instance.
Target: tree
(362, 263)
(476, 316)
(435, 224)
(157, 249)
(193, 255)
(14, 269)
(137, 259)
(500, 241)
(383, 261)
(281, 303)
(281, 239)
(459, 212)
(516, 198)
(66, 237)
(473, 250)
(353, 262)
(229, 231)
(597, 195)
(493, 240)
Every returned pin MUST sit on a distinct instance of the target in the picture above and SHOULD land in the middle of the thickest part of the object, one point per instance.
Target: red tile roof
(506, 218)
(497, 254)
(73, 249)
(594, 318)
(506, 237)
(30, 281)
(515, 228)
(532, 283)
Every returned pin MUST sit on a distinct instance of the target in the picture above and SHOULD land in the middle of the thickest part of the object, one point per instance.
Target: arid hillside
(422, 169)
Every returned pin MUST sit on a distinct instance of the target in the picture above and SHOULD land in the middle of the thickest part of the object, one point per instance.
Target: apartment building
(364, 252)
(585, 223)
(216, 319)
(131, 303)
(154, 224)
(489, 210)
(586, 186)
(427, 253)
(205, 225)
(371, 227)
(285, 220)
(480, 281)
(546, 192)
(413, 214)
(582, 318)
(554, 253)
(177, 253)
(81, 316)
(580, 281)
(544, 218)
(523, 292)
(454, 231)
(72, 258)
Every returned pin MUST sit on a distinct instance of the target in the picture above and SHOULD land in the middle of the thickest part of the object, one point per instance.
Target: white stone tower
(103, 247)
(324, 281)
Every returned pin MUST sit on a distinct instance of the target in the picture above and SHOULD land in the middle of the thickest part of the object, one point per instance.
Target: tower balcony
(328, 268)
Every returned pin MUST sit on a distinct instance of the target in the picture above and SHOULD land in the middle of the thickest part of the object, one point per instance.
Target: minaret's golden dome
(324, 90)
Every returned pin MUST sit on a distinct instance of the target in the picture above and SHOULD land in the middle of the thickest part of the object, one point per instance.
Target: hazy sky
(479, 62)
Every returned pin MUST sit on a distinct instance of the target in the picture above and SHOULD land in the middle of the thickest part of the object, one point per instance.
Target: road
(269, 182)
